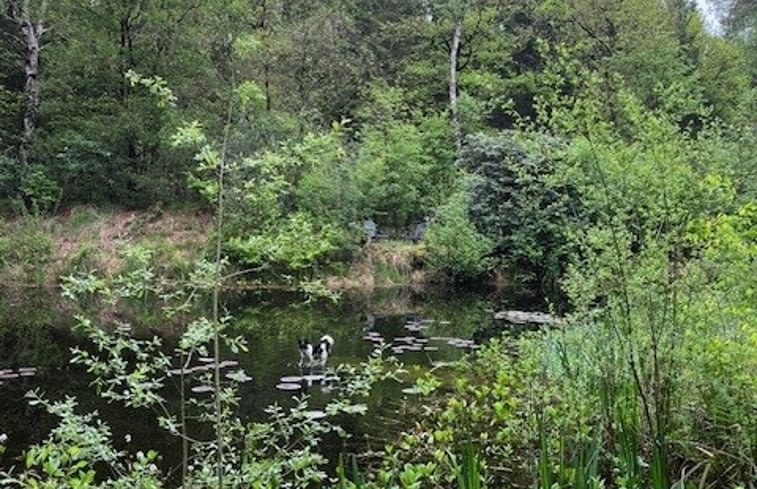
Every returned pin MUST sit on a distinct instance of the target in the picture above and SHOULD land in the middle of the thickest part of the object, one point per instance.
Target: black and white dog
(315, 353)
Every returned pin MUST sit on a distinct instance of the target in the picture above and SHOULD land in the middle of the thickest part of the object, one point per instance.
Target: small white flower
(127, 438)
(152, 468)
(3, 437)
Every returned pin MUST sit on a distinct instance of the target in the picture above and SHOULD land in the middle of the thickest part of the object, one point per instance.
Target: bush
(455, 248)
(403, 170)
(515, 204)
(40, 191)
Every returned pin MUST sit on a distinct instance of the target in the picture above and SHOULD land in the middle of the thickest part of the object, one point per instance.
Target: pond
(421, 328)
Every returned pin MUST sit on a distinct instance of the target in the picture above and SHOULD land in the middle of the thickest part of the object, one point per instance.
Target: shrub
(515, 204)
(454, 246)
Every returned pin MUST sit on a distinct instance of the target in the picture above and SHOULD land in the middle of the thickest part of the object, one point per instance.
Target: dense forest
(600, 153)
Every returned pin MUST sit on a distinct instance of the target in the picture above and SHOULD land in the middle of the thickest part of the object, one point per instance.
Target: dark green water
(35, 331)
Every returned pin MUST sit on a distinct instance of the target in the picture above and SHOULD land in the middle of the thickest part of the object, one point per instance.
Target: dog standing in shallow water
(315, 354)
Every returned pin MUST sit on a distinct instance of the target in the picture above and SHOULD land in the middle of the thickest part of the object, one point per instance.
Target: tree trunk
(31, 37)
(31, 87)
(453, 54)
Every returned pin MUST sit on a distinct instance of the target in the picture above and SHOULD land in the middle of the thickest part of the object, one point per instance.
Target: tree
(458, 9)
(31, 21)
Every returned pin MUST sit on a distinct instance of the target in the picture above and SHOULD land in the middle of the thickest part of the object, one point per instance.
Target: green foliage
(516, 203)
(392, 171)
(72, 452)
(42, 193)
(25, 252)
(454, 247)
(295, 245)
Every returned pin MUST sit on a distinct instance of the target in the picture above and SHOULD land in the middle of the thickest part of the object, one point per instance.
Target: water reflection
(419, 328)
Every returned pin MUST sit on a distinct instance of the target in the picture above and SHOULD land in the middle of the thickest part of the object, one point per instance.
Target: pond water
(421, 327)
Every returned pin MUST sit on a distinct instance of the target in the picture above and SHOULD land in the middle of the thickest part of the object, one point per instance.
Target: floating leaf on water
(201, 389)
(239, 376)
(411, 390)
(460, 342)
(290, 379)
(315, 414)
(287, 386)
(406, 339)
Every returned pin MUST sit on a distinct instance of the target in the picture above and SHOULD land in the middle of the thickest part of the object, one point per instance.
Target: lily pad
(405, 339)
(289, 379)
(411, 390)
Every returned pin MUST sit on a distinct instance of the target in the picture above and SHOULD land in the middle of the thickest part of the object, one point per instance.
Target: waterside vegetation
(602, 153)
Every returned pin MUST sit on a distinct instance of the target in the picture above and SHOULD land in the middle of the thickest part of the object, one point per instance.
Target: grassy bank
(38, 251)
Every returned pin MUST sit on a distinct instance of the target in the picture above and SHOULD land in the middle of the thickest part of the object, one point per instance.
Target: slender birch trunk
(32, 31)
(453, 54)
